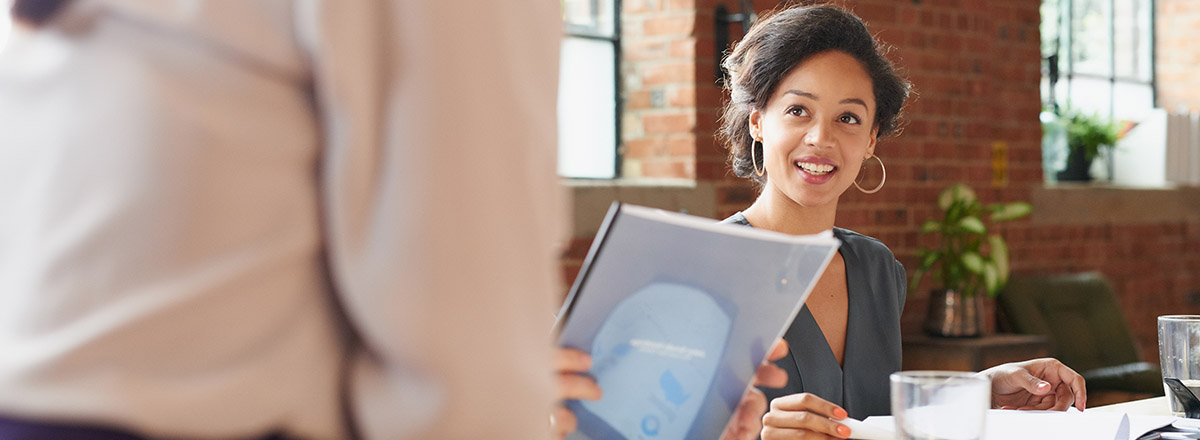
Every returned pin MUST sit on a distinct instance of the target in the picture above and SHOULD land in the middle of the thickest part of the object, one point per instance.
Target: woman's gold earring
(882, 180)
(757, 144)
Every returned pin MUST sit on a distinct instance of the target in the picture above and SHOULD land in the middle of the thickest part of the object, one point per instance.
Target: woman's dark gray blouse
(876, 288)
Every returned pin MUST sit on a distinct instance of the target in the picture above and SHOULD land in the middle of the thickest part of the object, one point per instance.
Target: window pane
(1132, 39)
(1050, 26)
(589, 17)
(1062, 93)
(1045, 86)
(1145, 55)
(587, 107)
(1091, 95)
(1132, 101)
(1090, 31)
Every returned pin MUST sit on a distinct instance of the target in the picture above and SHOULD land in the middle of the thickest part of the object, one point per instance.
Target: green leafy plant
(968, 258)
(1089, 133)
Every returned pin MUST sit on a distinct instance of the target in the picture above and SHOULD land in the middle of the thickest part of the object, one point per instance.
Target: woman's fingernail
(843, 430)
(840, 414)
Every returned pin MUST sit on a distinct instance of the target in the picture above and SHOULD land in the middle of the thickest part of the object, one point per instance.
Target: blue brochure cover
(678, 312)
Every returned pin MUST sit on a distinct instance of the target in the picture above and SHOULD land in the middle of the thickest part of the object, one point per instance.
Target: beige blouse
(220, 218)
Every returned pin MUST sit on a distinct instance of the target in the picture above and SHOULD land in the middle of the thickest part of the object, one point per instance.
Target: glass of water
(942, 405)
(1179, 354)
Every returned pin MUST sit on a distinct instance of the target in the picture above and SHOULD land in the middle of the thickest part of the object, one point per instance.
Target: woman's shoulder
(876, 262)
(737, 218)
(864, 246)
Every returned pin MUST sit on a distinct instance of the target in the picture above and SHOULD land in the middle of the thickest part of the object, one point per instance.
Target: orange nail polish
(843, 430)
(840, 414)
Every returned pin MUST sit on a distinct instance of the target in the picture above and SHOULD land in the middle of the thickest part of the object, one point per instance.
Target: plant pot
(952, 314)
(1078, 167)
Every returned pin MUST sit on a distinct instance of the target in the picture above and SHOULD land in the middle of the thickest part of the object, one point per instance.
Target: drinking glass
(1179, 354)
(941, 405)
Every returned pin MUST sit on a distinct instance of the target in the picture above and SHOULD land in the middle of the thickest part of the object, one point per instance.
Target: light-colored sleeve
(441, 208)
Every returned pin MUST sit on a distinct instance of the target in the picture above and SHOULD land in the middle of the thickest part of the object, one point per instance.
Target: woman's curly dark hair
(778, 43)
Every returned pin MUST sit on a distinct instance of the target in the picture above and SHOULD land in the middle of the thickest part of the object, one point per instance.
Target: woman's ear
(872, 142)
(755, 122)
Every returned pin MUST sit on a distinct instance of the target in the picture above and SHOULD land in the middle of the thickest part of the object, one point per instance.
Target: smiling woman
(811, 96)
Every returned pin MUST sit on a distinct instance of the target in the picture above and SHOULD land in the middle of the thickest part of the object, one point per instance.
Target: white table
(1154, 406)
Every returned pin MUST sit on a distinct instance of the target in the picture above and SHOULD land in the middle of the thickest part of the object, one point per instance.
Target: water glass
(942, 405)
(1179, 354)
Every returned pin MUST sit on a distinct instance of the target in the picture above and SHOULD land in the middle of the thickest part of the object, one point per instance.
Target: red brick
(671, 73)
(681, 146)
(644, 148)
(678, 25)
(673, 168)
(686, 47)
(877, 14)
(645, 50)
(681, 5)
(682, 97)
(637, 100)
(668, 123)
(712, 171)
(641, 6)
(908, 16)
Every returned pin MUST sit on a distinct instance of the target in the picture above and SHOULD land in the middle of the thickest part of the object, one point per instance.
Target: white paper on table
(1070, 424)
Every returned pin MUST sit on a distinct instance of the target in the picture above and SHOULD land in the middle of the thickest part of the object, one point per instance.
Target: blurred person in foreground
(277, 219)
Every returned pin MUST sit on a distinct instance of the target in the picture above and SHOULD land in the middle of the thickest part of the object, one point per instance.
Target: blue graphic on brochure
(664, 343)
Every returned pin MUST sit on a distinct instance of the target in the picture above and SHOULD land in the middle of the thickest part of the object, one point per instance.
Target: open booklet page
(677, 313)
(1054, 425)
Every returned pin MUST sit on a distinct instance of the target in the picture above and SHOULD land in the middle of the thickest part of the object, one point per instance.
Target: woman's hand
(1036, 384)
(573, 383)
(804, 416)
(747, 418)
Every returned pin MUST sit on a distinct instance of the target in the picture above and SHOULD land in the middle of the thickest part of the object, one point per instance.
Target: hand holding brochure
(677, 313)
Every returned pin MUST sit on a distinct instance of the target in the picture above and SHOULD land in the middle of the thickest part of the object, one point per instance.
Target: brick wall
(671, 98)
(1177, 53)
(975, 67)
(659, 76)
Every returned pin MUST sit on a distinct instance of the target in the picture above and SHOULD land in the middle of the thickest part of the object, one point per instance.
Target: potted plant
(968, 260)
(1086, 135)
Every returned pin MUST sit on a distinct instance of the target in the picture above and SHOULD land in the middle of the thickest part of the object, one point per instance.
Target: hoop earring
(881, 181)
(753, 161)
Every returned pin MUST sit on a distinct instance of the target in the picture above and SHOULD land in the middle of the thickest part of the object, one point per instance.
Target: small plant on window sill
(1087, 135)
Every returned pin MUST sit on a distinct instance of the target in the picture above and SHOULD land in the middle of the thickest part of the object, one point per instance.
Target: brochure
(677, 313)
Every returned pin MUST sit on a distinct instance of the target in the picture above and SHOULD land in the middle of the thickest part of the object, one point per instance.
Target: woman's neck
(775, 211)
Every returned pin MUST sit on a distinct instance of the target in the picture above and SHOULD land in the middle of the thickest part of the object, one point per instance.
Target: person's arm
(441, 208)
(1042, 384)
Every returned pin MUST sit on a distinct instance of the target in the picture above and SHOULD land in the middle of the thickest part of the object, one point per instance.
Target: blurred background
(1005, 89)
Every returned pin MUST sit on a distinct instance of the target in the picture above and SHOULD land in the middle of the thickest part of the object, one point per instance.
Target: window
(588, 107)
(1099, 56)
